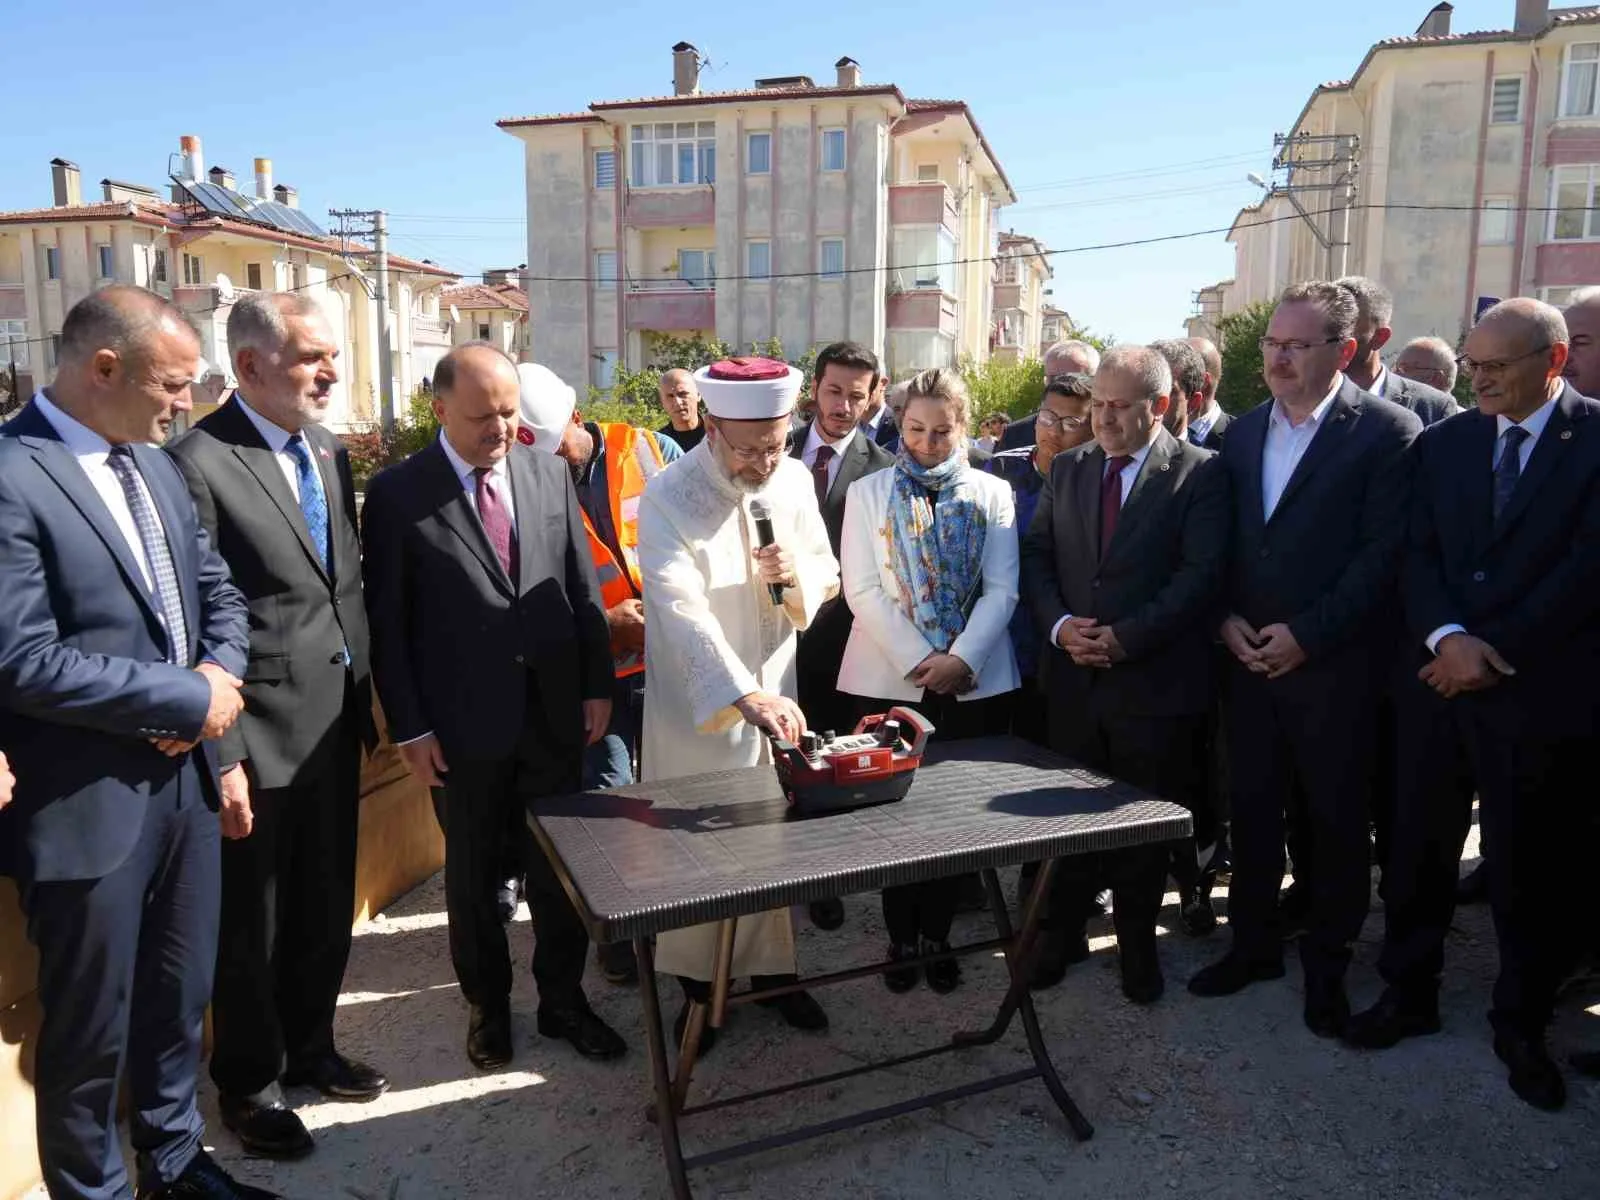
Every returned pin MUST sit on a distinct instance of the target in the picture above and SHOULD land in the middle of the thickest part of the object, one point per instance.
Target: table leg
(665, 1112)
(694, 1027)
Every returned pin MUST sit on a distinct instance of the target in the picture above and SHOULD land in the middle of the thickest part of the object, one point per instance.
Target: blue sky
(1114, 121)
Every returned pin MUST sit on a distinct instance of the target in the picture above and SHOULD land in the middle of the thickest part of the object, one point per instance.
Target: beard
(742, 483)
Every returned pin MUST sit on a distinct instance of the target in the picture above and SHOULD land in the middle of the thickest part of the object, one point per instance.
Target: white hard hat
(547, 407)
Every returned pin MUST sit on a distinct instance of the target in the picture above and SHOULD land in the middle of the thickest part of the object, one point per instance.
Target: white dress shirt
(1380, 383)
(1130, 474)
(277, 441)
(92, 452)
(871, 424)
(1286, 446)
(1533, 426)
(1201, 426)
(815, 441)
(499, 479)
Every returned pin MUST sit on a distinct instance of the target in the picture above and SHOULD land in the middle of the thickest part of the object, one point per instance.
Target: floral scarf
(936, 550)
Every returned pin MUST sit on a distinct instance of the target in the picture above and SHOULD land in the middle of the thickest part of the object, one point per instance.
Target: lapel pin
(1166, 466)
(1566, 435)
(1340, 417)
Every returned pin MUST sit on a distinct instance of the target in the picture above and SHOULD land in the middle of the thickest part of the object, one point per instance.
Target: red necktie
(1111, 498)
(496, 522)
(819, 473)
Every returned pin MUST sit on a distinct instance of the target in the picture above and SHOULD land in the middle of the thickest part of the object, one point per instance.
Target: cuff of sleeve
(418, 738)
(1055, 631)
(1439, 634)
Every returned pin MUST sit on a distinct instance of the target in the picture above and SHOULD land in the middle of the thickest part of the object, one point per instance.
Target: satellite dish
(1258, 181)
(455, 315)
(225, 291)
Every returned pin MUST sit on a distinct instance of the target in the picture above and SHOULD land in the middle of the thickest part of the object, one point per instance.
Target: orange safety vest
(632, 460)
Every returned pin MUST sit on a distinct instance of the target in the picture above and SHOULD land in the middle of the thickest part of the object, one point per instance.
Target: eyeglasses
(1293, 345)
(758, 455)
(1495, 366)
(1049, 420)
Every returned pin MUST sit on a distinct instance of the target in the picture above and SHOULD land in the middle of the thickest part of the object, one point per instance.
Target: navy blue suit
(114, 845)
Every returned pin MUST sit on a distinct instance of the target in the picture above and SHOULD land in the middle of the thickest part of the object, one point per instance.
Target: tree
(1242, 386)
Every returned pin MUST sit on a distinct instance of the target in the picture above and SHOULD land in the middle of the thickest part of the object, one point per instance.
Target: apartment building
(1021, 268)
(1055, 324)
(789, 209)
(494, 311)
(1477, 157)
(203, 243)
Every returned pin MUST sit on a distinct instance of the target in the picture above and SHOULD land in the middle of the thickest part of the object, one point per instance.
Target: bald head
(128, 358)
(1516, 353)
(1583, 328)
(1428, 360)
(1071, 357)
(1211, 357)
(476, 396)
(680, 398)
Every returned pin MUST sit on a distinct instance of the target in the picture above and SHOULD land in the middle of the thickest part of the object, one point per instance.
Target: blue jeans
(609, 762)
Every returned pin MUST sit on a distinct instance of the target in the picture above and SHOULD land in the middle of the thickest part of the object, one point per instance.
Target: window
(52, 351)
(603, 369)
(1573, 197)
(605, 270)
(483, 332)
(1578, 79)
(923, 257)
(1560, 297)
(698, 268)
(252, 276)
(758, 260)
(927, 172)
(52, 262)
(605, 170)
(297, 280)
(1494, 222)
(758, 154)
(669, 154)
(830, 258)
(194, 272)
(833, 149)
(158, 266)
(1505, 106)
(106, 262)
(13, 344)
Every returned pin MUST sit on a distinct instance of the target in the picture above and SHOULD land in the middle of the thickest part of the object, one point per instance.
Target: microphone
(761, 514)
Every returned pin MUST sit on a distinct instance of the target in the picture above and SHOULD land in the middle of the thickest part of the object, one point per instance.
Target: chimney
(263, 179)
(1437, 23)
(193, 165)
(1532, 16)
(68, 183)
(286, 195)
(685, 70)
(849, 72)
(222, 177)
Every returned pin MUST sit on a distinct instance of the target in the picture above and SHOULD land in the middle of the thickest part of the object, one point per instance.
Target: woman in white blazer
(928, 563)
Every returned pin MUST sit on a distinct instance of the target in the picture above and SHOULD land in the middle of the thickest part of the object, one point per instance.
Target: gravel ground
(1222, 1098)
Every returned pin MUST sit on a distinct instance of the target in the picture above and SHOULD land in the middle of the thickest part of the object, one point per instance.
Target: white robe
(712, 636)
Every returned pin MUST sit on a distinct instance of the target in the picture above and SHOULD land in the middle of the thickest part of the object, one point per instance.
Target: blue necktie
(1509, 469)
(313, 501)
(156, 553)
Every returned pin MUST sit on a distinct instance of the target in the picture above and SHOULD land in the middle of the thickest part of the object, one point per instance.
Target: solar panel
(218, 200)
(224, 202)
(291, 218)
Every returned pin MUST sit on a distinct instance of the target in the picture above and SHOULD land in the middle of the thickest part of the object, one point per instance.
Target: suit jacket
(454, 643)
(303, 616)
(1529, 583)
(1328, 561)
(84, 677)
(884, 645)
(1429, 403)
(1218, 433)
(1019, 433)
(1157, 584)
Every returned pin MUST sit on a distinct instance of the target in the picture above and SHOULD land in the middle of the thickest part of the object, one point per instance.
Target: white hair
(1073, 346)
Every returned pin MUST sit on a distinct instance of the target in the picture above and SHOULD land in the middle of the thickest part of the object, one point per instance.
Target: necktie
(1195, 437)
(819, 473)
(496, 522)
(156, 553)
(313, 500)
(1111, 498)
(1509, 469)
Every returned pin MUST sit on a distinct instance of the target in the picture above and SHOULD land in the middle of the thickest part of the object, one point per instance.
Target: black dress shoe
(901, 979)
(1142, 981)
(1473, 887)
(826, 914)
(1587, 1063)
(1058, 950)
(265, 1126)
(580, 1025)
(338, 1078)
(1391, 1020)
(202, 1179)
(617, 963)
(1196, 916)
(798, 1010)
(1533, 1075)
(944, 974)
(489, 1037)
(1327, 1009)
(1233, 973)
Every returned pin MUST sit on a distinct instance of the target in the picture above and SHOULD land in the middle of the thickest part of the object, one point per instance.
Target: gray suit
(1429, 403)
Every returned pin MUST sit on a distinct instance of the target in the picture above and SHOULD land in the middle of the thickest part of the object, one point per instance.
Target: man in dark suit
(836, 448)
(1319, 477)
(1375, 304)
(1208, 424)
(1122, 567)
(492, 659)
(1063, 358)
(274, 492)
(1502, 599)
(120, 658)
(878, 421)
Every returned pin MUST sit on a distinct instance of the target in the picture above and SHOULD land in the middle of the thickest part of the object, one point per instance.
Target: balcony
(653, 208)
(1007, 295)
(669, 304)
(1567, 264)
(922, 204)
(925, 309)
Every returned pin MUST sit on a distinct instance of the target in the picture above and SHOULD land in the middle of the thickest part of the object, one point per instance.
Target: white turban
(749, 389)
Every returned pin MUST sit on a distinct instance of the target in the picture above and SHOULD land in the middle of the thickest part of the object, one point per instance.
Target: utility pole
(1306, 174)
(377, 223)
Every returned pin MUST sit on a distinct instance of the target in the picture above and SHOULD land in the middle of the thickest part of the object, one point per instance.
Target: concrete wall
(557, 178)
